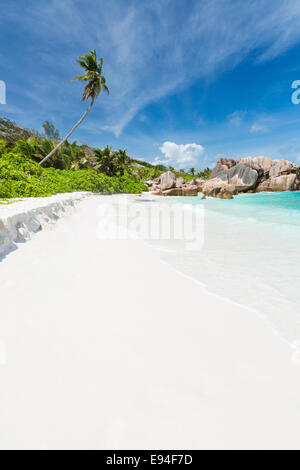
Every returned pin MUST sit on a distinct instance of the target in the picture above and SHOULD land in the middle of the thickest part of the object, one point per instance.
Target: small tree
(123, 161)
(50, 132)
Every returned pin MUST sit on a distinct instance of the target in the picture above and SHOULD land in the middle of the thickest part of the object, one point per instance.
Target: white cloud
(182, 155)
(258, 128)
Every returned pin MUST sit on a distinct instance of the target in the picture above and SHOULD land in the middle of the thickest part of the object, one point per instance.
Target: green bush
(22, 177)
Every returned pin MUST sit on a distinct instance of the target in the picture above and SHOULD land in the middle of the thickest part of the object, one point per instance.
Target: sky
(190, 80)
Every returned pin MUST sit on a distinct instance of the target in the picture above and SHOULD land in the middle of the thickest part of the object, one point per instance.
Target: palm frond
(82, 78)
(93, 70)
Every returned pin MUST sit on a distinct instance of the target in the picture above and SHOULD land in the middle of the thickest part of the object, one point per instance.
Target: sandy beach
(104, 346)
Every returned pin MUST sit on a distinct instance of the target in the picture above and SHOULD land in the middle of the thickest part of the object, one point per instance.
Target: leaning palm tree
(96, 83)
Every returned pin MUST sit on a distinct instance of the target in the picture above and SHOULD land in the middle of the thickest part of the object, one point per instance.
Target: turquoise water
(279, 208)
(250, 255)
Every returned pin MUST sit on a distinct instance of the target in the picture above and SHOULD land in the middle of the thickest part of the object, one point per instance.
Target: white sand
(104, 346)
(20, 218)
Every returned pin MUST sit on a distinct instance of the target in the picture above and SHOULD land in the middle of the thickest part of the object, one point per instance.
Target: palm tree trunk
(68, 135)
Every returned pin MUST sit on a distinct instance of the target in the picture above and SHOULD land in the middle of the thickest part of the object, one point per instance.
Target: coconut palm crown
(93, 75)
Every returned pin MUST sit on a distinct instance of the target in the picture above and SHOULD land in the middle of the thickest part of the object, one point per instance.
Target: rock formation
(167, 180)
(231, 177)
(251, 174)
(168, 185)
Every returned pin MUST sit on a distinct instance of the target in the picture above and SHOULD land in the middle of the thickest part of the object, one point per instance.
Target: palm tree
(107, 161)
(96, 82)
(123, 161)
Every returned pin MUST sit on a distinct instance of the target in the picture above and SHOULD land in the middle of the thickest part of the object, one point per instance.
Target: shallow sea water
(250, 254)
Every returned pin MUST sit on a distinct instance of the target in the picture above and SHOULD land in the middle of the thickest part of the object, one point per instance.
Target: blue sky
(190, 80)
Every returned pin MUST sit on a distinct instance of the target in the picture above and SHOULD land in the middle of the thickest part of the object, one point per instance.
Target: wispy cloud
(258, 128)
(150, 49)
(236, 118)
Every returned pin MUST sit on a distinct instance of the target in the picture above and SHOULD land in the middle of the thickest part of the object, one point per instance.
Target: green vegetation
(73, 167)
(193, 174)
(68, 166)
(50, 132)
(11, 132)
(23, 177)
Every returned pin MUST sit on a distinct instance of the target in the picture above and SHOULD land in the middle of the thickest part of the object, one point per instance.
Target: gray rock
(254, 165)
(172, 192)
(149, 183)
(167, 180)
(242, 177)
(220, 172)
(278, 183)
(281, 167)
(263, 162)
(200, 181)
(227, 162)
(157, 192)
(179, 182)
(190, 190)
(212, 184)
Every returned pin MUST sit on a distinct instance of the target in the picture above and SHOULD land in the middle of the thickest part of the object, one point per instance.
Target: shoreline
(23, 217)
(20, 221)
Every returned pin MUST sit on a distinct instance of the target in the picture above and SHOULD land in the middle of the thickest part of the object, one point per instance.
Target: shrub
(22, 177)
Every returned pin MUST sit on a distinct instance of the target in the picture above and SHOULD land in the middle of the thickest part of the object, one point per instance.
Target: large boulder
(278, 183)
(263, 162)
(157, 192)
(220, 172)
(190, 190)
(172, 192)
(179, 182)
(149, 183)
(281, 167)
(225, 194)
(200, 183)
(226, 163)
(215, 186)
(211, 184)
(243, 177)
(297, 182)
(253, 164)
(219, 189)
(167, 180)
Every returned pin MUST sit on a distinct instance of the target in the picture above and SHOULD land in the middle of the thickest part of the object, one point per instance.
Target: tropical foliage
(21, 176)
(11, 132)
(72, 167)
(50, 132)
